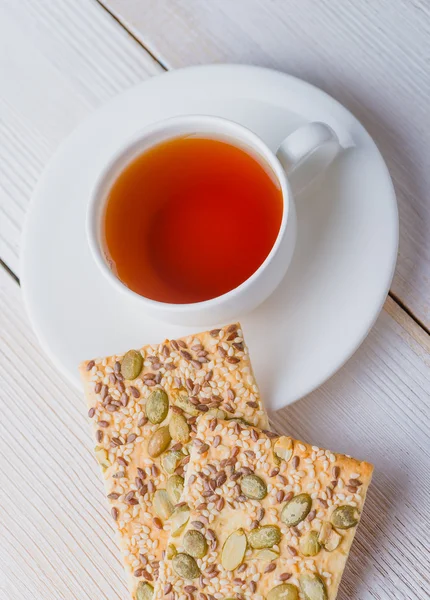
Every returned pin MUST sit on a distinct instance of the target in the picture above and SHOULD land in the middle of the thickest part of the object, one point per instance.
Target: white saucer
(341, 270)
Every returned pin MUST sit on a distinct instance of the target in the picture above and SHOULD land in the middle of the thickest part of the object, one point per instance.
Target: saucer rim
(230, 71)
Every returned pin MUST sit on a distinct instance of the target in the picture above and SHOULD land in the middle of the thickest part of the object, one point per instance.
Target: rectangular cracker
(225, 459)
(211, 368)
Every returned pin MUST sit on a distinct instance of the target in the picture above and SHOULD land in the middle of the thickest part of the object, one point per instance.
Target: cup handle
(307, 152)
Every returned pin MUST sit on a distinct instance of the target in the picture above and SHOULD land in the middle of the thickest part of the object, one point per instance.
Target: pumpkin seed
(179, 519)
(285, 591)
(195, 543)
(102, 457)
(179, 428)
(267, 554)
(171, 551)
(344, 517)
(296, 510)
(312, 587)
(132, 364)
(253, 487)
(144, 591)
(185, 566)
(328, 537)
(157, 406)
(162, 505)
(234, 549)
(175, 487)
(182, 400)
(159, 442)
(309, 544)
(170, 460)
(283, 448)
(265, 536)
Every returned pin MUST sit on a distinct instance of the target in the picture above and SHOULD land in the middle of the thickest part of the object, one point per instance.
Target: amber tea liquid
(191, 219)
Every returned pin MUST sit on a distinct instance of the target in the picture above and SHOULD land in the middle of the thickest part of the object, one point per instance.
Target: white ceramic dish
(340, 272)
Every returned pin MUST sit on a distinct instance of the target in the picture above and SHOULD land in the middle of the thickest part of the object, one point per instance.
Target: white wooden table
(59, 61)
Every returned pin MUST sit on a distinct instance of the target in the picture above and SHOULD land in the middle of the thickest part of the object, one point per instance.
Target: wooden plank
(57, 541)
(55, 530)
(58, 62)
(372, 56)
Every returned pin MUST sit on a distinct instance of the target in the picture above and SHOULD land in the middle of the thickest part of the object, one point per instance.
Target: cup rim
(98, 199)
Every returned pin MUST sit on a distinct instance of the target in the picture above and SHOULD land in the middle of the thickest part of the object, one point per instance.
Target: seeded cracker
(144, 406)
(267, 518)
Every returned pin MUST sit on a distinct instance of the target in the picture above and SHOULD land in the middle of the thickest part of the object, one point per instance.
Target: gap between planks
(131, 34)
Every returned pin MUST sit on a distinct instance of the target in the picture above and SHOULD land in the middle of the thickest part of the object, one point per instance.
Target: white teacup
(308, 151)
